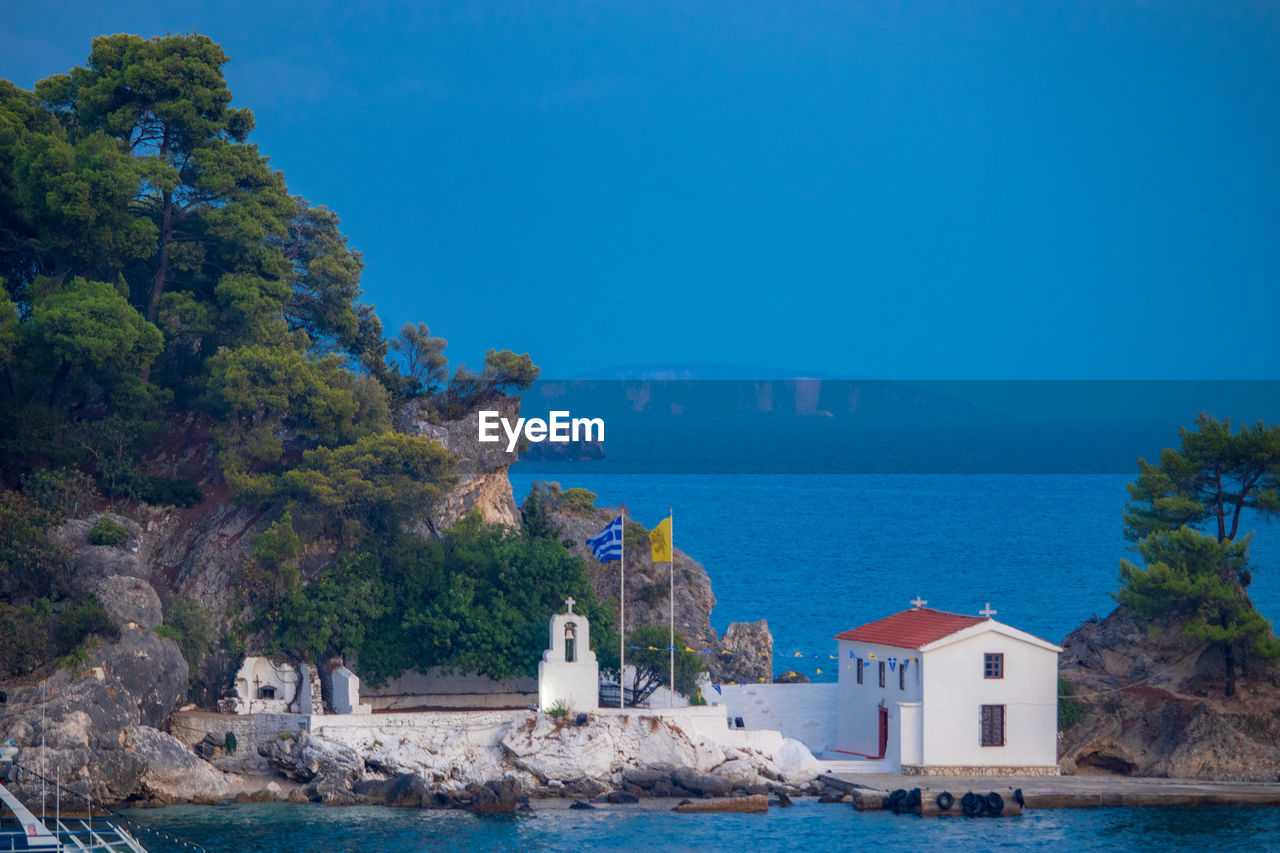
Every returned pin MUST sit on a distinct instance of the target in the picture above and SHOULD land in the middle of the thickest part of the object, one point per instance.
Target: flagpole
(671, 589)
(622, 617)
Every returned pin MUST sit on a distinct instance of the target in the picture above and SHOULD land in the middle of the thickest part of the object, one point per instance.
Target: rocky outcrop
(750, 647)
(514, 753)
(1152, 704)
(648, 597)
(172, 772)
(130, 600)
(149, 669)
(481, 468)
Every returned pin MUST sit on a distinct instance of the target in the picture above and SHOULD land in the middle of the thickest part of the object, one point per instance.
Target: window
(993, 725)
(882, 673)
(266, 692)
(902, 677)
(993, 666)
(859, 670)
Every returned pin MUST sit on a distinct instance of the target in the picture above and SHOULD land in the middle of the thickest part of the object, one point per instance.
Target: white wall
(858, 723)
(954, 690)
(575, 682)
(805, 712)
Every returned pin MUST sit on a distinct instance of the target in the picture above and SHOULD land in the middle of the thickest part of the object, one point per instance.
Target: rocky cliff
(104, 718)
(1152, 704)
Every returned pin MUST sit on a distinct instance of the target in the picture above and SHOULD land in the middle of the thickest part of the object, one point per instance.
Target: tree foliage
(1185, 516)
(477, 600)
(649, 658)
(160, 284)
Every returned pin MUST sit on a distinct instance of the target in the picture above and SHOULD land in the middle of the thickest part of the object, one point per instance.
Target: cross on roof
(918, 602)
(569, 602)
(987, 611)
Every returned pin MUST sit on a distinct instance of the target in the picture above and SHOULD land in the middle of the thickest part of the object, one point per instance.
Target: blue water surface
(650, 826)
(819, 554)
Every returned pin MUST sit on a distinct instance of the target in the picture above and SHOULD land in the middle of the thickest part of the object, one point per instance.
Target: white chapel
(931, 692)
(568, 673)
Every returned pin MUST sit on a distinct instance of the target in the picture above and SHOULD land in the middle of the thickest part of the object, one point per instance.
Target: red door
(884, 731)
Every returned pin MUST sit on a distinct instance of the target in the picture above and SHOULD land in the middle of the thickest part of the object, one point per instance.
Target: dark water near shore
(648, 826)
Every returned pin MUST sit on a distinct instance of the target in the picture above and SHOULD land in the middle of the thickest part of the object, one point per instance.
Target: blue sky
(894, 190)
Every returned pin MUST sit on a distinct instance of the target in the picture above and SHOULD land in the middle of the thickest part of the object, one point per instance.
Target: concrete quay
(1078, 792)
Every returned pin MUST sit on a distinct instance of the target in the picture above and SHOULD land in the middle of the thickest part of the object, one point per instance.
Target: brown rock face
(1153, 705)
(481, 468)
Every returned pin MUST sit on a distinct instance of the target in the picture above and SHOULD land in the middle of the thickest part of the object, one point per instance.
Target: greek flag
(607, 544)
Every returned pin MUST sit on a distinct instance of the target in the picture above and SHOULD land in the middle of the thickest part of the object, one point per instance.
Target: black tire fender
(945, 801)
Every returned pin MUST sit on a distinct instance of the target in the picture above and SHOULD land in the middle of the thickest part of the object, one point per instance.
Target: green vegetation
(1185, 516)
(558, 710)
(648, 650)
(108, 532)
(160, 289)
(1069, 707)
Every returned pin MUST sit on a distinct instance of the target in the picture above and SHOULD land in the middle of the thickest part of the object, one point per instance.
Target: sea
(816, 554)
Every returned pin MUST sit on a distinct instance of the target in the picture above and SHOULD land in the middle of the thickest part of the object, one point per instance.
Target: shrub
(24, 637)
(558, 710)
(62, 492)
(579, 501)
(109, 532)
(82, 619)
(75, 661)
(1069, 708)
(189, 625)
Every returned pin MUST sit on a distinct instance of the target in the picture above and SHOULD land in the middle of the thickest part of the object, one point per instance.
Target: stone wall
(433, 689)
(251, 731)
(926, 770)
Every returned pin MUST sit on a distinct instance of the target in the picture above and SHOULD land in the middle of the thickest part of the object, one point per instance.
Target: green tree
(379, 481)
(268, 396)
(1201, 574)
(89, 326)
(1194, 577)
(1213, 478)
(423, 357)
(503, 373)
(648, 652)
(166, 101)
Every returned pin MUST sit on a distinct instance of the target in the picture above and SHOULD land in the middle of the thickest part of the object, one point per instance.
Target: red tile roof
(911, 629)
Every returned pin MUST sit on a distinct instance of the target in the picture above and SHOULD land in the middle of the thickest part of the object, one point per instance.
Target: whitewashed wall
(858, 729)
(955, 689)
(805, 712)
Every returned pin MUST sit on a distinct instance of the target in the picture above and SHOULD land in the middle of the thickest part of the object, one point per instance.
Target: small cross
(918, 602)
(569, 602)
(987, 611)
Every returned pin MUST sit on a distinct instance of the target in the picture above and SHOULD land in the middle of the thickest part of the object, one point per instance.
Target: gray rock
(92, 562)
(702, 784)
(498, 796)
(647, 778)
(173, 773)
(750, 647)
(151, 668)
(129, 600)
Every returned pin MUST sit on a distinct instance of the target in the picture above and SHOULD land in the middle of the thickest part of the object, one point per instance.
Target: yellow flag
(660, 539)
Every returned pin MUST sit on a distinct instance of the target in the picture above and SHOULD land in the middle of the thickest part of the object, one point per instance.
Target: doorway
(884, 731)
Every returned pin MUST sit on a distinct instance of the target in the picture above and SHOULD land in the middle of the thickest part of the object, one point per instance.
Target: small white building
(263, 686)
(931, 692)
(568, 672)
